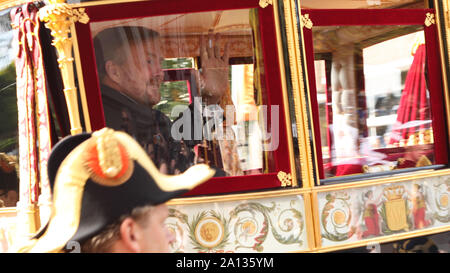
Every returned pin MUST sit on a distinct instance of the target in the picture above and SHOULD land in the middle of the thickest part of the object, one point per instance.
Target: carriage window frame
(9, 150)
(367, 17)
(273, 79)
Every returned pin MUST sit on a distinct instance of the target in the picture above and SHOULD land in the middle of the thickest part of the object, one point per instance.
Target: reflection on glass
(9, 160)
(188, 87)
(324, 103)
(173, 94)
(374, 103)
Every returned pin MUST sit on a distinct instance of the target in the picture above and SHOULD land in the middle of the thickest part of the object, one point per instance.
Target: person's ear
(130, 235)
(113, 71)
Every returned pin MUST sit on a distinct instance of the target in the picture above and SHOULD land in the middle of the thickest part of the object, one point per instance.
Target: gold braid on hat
(107, 159)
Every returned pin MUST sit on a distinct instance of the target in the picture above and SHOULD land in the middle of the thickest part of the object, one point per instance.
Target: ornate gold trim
(384, 239)
(446, 38)
(284, 93)
(237, 197)
(383, 180)
(297, 79)
(309, 220)
(306, 21)
(6, 4)
(429, 20)
(8, 210)
(284, 178)
(447, 12)
(27, 220)
(262, 3)
(102, 2)
(59, 17)
(265, 3)
(316, 220)
(303, 191)
(79, 70)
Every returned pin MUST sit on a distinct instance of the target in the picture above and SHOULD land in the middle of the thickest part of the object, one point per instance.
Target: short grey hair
(103, 241)
(107, 43)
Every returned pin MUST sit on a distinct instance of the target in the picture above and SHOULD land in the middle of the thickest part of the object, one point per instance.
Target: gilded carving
(430, 19)
(59, 17)
(394, 209)
(209, 231)
(298, 90)
(254, 226)
(306, 21)
(336, 217)
(284, 178)
(380, 211)
(265, 3)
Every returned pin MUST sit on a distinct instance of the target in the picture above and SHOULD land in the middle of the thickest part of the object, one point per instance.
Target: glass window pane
(9, 152)
(377, 108)
(157, 72)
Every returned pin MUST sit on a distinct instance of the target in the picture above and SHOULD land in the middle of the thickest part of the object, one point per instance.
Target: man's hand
(215, 69)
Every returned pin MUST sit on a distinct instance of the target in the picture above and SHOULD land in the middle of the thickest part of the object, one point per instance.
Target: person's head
(108, 196)
(369, 194)
(416, 189)
(143, 230)
(8, 197)
(129, 59)
(9, 186)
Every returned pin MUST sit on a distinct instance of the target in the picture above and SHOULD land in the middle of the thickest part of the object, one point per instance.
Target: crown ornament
(394, 193)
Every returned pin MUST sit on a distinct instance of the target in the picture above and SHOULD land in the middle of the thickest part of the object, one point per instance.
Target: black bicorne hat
(98, 177)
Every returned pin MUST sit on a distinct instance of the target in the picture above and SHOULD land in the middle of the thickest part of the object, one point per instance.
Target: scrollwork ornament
(284, 178)
(306, 21)
(265, 3)
(429, 20)
(59, 17)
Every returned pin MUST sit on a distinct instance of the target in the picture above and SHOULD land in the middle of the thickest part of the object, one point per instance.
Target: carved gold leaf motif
(430, 19)
(285, 179)
(306, 21)
(265, 3)
(59, 17)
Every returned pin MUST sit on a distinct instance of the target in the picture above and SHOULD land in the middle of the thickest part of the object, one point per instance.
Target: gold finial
(59, 17)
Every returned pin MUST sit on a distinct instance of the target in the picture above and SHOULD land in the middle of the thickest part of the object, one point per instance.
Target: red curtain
(413, 102)
(33, 117)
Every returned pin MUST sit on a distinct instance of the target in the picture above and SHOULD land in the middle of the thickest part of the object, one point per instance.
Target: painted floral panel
(382, 210)
(260, 225)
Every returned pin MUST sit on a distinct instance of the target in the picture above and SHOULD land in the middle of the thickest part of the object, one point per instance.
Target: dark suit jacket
(151, 128)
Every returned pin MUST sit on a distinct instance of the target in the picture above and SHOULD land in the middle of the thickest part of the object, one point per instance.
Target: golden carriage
(359, 103)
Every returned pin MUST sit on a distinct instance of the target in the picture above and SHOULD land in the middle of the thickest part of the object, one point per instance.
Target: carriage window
(374, 87)
(190, 88)
(369, 4)
(9, 159)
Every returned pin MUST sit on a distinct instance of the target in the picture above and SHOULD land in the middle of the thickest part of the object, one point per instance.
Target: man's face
(156, 235)
(141, 73)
